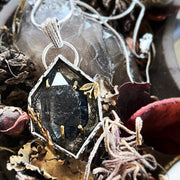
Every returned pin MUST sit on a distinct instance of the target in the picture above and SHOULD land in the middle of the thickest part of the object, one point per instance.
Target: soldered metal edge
(57, 147)
(92, 134)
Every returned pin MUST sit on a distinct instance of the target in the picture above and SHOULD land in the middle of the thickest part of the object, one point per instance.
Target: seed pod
(13, 120)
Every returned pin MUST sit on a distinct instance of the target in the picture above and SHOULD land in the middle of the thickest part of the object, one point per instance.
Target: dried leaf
(22, 162)
(46, 162)
(161, 123)
(16, 77)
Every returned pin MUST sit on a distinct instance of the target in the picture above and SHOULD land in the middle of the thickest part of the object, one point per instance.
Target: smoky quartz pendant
(70, 116)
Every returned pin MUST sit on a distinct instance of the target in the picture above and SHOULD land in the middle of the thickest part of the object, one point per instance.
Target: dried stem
(124, 159)
(43, 130)
(93, 152)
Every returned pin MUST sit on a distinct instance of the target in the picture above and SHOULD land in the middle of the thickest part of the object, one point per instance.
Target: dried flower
(16, 69)
(12, 120)
(108, 93)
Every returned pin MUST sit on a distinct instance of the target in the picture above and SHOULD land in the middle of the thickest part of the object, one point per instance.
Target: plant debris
(43, 130)
(124, 159)
(12, 120)
(16, 73)
(130, 113)
(108, 93)
(132, 96)
(37, 156)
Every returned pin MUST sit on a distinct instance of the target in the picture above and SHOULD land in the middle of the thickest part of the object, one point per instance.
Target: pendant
(70, 115)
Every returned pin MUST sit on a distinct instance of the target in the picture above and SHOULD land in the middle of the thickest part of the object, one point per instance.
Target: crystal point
(59, 80)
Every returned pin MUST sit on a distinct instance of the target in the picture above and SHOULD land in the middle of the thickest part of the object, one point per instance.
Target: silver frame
(76, 156)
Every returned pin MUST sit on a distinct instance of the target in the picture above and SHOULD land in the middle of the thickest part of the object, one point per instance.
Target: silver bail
(51, 28)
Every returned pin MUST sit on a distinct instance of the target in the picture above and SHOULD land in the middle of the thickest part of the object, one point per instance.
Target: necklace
(65, 105)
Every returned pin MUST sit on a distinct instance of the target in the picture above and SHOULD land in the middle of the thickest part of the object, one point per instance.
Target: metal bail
(51, 28)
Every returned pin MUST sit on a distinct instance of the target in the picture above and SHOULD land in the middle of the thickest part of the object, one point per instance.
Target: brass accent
(47, 83)
(62, 132)
(88, 89)
(75, 85)
(81, 128)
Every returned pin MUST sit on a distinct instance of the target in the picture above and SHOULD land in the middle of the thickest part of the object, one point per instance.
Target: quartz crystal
(62, 105)
(99, 50)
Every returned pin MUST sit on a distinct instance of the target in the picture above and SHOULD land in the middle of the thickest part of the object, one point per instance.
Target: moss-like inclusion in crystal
(61, 105)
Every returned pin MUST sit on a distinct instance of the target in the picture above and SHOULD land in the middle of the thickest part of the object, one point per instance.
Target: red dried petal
(161, 125)
(132, 96)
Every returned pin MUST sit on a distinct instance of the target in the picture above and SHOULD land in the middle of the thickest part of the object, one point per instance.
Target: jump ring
(76, 59)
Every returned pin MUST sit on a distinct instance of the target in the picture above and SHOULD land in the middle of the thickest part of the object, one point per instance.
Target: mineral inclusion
(62, 105)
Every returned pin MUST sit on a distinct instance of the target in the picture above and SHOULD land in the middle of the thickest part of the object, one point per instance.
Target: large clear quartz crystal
(99, 50)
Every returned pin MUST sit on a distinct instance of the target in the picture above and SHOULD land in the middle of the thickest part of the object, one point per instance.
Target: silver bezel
(60, 57)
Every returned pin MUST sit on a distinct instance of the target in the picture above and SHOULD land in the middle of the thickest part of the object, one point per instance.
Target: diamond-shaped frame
(95, 118)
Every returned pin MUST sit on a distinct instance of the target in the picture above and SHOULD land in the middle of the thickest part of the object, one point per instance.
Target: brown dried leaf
(22, 161)
(46, 162)
(19, 162)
